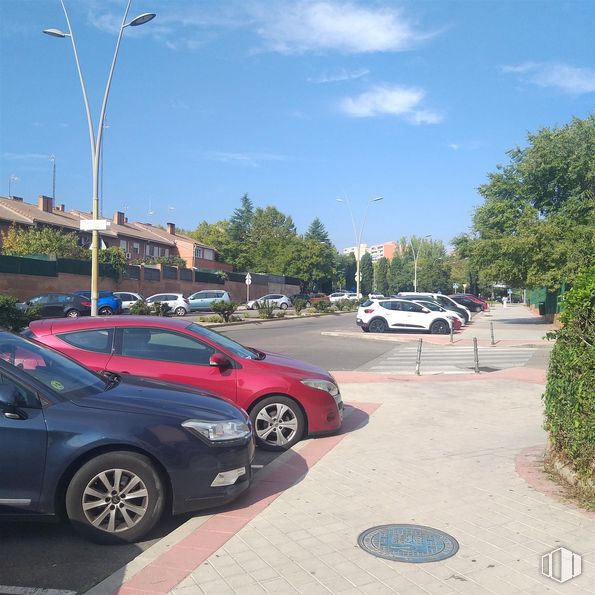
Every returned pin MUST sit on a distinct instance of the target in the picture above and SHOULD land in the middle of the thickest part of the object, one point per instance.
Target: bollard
(492, 332)
(451, 333)
(476, 355)
(418, 362)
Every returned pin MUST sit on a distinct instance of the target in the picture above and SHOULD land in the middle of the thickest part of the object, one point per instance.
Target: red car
(286, 398)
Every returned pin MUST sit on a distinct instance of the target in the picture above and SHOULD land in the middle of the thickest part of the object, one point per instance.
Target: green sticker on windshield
(57, 385)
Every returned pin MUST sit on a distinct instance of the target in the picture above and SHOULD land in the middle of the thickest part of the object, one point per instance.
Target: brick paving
(444, 452)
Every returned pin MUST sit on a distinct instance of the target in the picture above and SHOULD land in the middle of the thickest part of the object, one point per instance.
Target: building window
(136, 248)
(197, 252)
(162, 252)
(123, 245)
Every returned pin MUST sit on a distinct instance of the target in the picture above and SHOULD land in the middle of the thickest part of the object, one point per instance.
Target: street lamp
(415, 255)
(96, 142)
(11, 178)
(358, 236)
(52, 158)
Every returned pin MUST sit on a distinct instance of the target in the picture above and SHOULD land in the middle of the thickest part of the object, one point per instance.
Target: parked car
(58, 305)
(457, 320)
(340, 295)
(277, 299)
(128, 299)
(376, 296)
(441, 299)
(112, 452)
(180, 306)
(107, 303)
(469, 301)
(203, 300)
(381, 315)
(286, 398)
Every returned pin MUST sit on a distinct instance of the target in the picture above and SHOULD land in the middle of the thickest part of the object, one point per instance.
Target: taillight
(369, 310)
(85, 304)
(186, 301)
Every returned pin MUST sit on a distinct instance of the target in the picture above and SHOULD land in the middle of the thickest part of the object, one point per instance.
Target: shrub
(322, 306)
(299, 305)
(569, 397)
(161, 309)
(311, 310)
(213, 319)
(266, 310)
(281, 314)
(346, 305)
(13, 318)
(224, 309)
(140, 308)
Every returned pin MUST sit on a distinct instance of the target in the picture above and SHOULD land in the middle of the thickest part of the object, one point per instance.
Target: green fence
(27, 266)
(549, 302)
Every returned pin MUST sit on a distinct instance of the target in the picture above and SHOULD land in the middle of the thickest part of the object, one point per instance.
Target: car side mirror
(219, 361)
(9, 399)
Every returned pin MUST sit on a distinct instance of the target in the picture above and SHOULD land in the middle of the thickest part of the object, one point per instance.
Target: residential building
(377, 251)
(363, 248)
(137, 240)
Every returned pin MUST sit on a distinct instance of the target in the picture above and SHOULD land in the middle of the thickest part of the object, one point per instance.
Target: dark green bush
(322, 306)
(224, 309)
(299, 305)
(266, 310)
(140, 308)
(13, 318)
(570, 392)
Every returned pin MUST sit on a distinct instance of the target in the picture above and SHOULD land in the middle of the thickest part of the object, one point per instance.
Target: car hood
(295, 366)
(144, 396)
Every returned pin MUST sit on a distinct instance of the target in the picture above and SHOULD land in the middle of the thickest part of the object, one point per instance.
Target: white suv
(380, 315)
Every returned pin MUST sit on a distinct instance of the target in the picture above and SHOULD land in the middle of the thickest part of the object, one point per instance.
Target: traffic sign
(455, 286)
(248, 280)
(510, 292)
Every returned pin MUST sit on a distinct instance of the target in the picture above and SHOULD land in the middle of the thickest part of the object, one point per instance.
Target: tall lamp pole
(95, 142)
(11, 178)
(358, 236)
(52, 158)
(415, 255)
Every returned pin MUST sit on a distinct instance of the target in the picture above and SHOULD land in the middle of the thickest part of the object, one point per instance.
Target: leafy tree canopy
(42, 240)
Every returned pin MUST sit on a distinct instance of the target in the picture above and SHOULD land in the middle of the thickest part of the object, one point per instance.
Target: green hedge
(570, 392)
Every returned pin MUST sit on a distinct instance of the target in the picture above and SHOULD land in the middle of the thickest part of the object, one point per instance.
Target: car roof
(64, 325)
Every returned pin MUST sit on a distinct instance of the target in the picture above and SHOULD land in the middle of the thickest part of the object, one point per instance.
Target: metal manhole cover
(408, 543)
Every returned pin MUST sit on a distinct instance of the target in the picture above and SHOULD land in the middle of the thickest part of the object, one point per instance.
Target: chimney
(171, 229)
(125, 219)
(17, 198)
(45, 203)
(60, 208)
(119, 218)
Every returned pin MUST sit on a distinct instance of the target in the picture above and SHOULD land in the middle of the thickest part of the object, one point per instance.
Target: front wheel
(180, 311)
(283, 306)
(105, 311)
(439, 327)
(278, 423)
(117, 497)
(72, 314)
(378, 325)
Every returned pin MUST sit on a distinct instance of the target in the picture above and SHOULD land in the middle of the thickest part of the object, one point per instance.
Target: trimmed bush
(299, 305)
(224, 309)
(13, 318)
(322, 306)
(140, 308)
(266, 310)
(570, 392)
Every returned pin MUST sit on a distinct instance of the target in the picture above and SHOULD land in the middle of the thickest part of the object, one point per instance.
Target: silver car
(277, 299)
(203, 300)
(179, 305)
(128, 298)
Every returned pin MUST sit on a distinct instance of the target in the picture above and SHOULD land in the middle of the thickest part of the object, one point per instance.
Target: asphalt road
(52, 556)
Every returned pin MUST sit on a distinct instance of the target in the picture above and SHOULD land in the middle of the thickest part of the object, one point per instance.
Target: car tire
(179, 311)
(283, 306)
(105, 311)
(439, 327)
(377, 325)
(478, 308)
(98, 518)
(278, 423)
(72, 313)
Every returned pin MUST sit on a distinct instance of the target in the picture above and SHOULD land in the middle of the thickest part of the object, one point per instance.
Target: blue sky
(296, 103)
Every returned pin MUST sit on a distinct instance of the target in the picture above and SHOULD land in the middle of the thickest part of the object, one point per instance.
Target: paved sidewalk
(448, 453)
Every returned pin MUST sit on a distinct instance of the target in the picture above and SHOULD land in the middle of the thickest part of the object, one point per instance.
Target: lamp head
(141, 19)
(56, 33)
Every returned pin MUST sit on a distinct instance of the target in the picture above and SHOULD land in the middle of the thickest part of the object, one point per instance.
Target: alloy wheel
(276, 424)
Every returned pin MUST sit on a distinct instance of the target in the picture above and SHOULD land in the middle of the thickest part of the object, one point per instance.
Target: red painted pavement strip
(532, 375)
(529, 465)
(172, 567)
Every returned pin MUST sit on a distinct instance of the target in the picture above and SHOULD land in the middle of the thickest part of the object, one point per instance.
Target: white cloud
(390, 100)
(340, 75)
(251, 159)
(347, 27)
(566, 78)
(454, 146)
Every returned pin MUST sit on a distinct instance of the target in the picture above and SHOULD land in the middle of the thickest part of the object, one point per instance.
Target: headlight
(218, 431)
(324, 385)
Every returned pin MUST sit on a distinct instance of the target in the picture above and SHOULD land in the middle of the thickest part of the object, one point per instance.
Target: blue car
(107, 302)
(111, 452)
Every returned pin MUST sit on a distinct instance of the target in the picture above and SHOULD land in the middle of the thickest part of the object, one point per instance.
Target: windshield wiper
(259, 354)
(111, 379)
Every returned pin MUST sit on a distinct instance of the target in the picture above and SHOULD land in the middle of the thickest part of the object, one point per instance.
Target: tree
(367, 274)
(381, 275)
(317, 232)
(42, 240)
(311, 261)
(241, 220)
(536, 225)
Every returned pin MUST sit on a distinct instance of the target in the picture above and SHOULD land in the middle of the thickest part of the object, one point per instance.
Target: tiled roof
(163, 233)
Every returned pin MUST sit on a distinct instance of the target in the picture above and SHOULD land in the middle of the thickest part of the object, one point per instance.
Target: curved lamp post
(96, 142)
(415, 255)
(358, 236)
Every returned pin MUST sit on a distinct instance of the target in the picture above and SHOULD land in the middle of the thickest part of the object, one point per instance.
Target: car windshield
(431, 306)
(224, 342)
(56, 372)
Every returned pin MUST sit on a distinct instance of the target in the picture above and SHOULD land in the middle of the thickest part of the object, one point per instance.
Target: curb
(264, 320)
